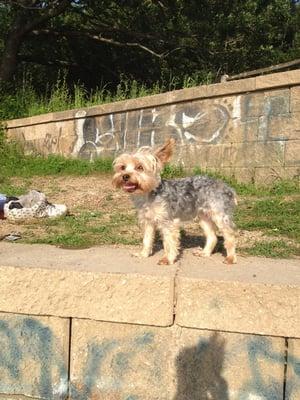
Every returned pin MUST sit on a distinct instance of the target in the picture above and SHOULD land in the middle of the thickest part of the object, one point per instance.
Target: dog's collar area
(156, 191)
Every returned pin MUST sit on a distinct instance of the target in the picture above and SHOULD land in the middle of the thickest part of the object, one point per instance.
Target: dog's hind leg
(226, 227)
(208, 228)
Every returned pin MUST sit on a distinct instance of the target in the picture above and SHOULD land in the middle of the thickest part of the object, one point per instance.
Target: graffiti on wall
(259, 119)
(243, 131)
(26, 342)
(247, 368)
(33, 363)
(115, 368)
(188, 124)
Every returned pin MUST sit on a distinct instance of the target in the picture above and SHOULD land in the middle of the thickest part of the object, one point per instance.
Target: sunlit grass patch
(272, 249)
(85, 229)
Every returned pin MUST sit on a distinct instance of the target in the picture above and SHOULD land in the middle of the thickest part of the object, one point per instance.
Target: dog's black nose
(126, 178)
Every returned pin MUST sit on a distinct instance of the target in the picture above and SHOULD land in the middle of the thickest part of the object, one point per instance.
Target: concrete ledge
(108, 347)
(256, 296)
(260, 296)
(101, 284)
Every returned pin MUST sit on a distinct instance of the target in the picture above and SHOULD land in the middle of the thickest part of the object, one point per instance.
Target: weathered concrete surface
(199, 356)
(135, 362)
(293, 370)
(228, 366)
(257, 295)
(121, 361)
(287, 78)
(103, 284)
(260, 296)
(34, 355)
(295, 98)
(247, 125)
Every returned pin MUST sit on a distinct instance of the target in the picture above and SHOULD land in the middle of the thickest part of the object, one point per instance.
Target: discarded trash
(2, 202)
(12, 237)
(31, 205)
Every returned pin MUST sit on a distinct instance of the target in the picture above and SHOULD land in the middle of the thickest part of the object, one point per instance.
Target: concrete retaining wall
(248, 129)
(74, 324)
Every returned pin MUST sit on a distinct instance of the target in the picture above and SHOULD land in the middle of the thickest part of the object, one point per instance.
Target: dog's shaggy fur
(163, 204)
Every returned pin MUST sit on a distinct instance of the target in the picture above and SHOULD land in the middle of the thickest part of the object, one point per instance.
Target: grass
(273, 211)
(26, 101)
(273, 249)
(87, 229)
(270, 222)
(275, 216)
(14, 163)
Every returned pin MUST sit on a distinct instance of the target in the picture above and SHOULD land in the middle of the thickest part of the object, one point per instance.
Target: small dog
(163, 204)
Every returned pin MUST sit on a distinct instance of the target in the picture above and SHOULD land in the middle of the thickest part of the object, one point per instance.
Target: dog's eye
(122, 167)
(140, 168)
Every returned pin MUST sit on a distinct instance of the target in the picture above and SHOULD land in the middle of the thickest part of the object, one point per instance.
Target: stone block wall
(248, 129)
(135, 362)
(191, 340)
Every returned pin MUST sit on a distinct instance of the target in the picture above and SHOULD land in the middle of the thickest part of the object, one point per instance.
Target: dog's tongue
(130, 187)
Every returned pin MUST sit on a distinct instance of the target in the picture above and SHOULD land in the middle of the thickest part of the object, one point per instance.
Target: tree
(96, 41)
(26, 15)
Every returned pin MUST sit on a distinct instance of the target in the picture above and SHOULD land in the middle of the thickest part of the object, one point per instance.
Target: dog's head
(139, 172)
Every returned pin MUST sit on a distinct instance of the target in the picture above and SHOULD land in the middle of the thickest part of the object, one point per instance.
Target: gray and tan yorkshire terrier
(164, 204)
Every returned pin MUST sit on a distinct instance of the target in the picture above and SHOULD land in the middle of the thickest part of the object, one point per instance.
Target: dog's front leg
(149, 233)
(148, 239)
(170, 234)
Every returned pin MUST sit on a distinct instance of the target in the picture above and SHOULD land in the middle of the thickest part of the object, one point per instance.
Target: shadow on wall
(199, 371)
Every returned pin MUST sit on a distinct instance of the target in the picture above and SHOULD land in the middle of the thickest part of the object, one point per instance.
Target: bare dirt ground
(95, 194)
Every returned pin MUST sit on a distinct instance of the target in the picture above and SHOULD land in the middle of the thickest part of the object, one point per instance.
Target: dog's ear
(165, 152)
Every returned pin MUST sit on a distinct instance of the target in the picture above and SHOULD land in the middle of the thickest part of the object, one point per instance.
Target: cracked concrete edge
(122, 298)
(256, 296)
(281, 79)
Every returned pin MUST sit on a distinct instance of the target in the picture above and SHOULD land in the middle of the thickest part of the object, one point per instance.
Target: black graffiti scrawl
(190, 123)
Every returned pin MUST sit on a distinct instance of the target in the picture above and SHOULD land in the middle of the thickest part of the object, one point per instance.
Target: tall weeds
(25, 101)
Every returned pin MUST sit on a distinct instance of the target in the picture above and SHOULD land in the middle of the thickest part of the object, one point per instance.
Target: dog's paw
(140, 254)
(201, 253)
(230, 260)
(164, 261)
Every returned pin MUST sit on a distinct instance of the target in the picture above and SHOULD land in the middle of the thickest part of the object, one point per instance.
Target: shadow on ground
(191, 242)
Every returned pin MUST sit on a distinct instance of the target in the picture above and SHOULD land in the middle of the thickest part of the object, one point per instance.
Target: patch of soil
(94, 193)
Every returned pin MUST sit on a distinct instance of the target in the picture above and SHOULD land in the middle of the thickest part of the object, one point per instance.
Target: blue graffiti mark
(144, 339)
(293, 382)
(11, 356)
(260, 383)
(261, 120)
(271, 389)
(96, 355)
(294, 364)
(27, 338)
(40, 345)
(37, 343)
(118, 362)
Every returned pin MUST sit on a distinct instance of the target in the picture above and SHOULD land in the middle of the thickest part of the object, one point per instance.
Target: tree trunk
(22, 25)
(9, 58)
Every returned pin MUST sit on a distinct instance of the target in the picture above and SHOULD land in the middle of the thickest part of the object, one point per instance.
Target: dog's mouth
(130, 187)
